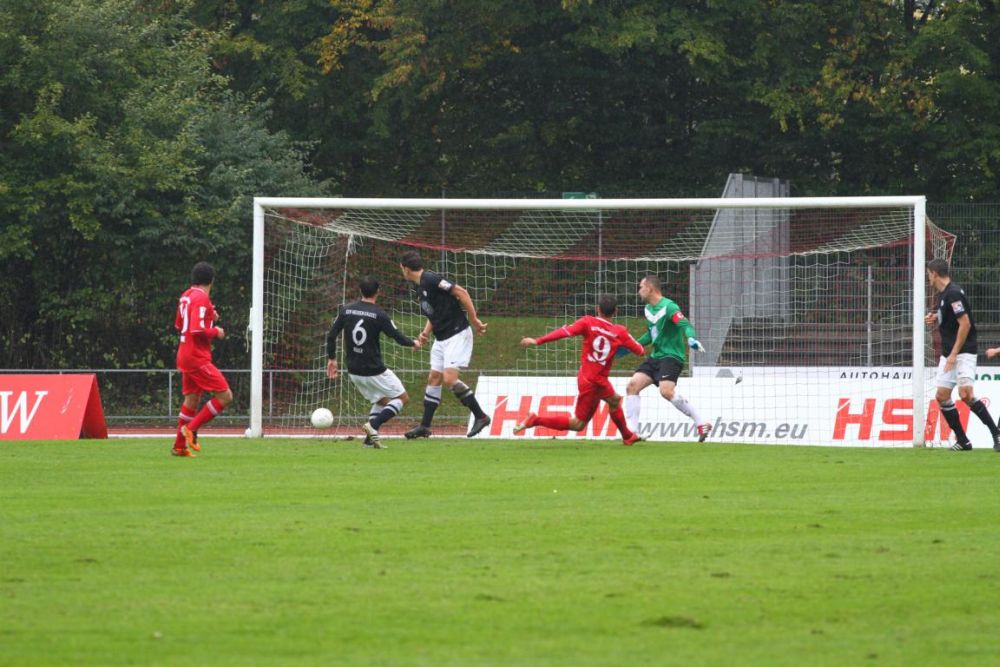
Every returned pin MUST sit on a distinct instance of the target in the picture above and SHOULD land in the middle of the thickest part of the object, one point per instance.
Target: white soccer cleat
(371, 437)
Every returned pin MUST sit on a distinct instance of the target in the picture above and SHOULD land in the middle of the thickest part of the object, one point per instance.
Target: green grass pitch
(476, 552)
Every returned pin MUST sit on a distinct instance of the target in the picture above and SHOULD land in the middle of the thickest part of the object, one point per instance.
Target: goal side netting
(810, 310)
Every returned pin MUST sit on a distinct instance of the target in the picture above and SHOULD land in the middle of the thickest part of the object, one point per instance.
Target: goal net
(810, 310)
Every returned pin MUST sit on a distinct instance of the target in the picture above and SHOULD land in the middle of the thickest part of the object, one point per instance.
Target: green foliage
(134, 133)
(128, 159)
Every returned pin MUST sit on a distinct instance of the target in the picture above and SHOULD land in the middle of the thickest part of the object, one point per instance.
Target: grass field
(457, 552)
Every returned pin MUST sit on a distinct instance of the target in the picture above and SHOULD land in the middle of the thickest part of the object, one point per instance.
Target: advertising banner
(761, 408)
(50, 407)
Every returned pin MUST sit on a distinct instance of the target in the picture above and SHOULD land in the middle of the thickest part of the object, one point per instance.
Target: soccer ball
(322, 418)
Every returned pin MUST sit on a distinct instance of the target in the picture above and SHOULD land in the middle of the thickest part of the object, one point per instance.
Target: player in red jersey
(601, 339)
(196, 323)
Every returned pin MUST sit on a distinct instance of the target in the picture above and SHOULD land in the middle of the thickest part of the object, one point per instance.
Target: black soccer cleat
(961, 446)
(420, 431)
(478, 426)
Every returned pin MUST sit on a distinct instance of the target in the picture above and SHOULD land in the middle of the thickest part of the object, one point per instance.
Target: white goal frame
(917, 203)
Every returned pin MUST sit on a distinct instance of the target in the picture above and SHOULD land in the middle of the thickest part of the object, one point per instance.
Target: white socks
(685, 406)
(632, 412)
(679, 402)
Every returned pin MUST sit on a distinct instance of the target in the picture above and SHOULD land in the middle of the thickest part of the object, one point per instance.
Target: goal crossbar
(589, 204)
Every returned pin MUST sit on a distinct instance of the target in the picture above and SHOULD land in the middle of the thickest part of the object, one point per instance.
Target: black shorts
(667, 368)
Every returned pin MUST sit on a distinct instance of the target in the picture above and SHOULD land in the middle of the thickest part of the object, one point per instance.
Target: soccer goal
(811, 309)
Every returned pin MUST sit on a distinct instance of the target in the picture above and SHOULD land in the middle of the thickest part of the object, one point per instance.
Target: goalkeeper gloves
(695, 345)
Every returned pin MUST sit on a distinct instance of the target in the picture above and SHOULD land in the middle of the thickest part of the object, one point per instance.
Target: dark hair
(938, 266)
(368, 286)
(654, 282)
(202, 274)
(607, 305)
(411, 260)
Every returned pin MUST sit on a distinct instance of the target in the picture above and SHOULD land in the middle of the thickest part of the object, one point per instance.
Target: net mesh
(803, 292)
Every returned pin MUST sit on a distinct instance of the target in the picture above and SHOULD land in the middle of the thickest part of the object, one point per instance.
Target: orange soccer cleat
(190, 439)
(182, 452)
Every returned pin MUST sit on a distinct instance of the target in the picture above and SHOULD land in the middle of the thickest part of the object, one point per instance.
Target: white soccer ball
(322, 418)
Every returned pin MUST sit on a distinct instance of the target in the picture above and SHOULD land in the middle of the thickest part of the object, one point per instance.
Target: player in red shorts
(196, 323)
(601, 339)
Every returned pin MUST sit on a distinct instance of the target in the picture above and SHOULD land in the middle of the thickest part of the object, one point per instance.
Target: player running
(195, 321)
(671, 334)
(362, 323)
(601, 340)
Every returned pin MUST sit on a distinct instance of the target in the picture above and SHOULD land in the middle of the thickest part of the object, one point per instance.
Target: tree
(127, 159)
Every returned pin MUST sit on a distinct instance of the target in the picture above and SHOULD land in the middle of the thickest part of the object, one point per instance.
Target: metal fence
(137, 397)
(151, 397)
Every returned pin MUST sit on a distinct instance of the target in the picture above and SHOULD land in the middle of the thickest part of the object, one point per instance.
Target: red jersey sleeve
(575, 329)
(631, 344)
(202, 316)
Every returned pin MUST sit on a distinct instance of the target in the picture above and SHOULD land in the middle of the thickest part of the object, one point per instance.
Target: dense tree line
(134, 133)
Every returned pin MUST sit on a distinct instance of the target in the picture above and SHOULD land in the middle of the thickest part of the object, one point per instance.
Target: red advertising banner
(50, 407)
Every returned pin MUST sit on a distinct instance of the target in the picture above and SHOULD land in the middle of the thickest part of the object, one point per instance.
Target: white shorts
(963, 373)
(376, 387)
(455, 352)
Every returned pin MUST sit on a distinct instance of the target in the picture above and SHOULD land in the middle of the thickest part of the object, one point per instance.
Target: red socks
(618, 417)
(211, 410)
(558, 422)
(184, 419)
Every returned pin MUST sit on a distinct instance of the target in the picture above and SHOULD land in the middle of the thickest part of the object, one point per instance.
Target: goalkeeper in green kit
(671, 335)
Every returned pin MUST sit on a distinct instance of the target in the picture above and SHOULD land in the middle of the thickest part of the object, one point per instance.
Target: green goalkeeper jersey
(668, 330)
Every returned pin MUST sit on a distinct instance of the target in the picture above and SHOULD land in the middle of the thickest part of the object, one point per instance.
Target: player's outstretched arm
(390, 329)
(632, 345)
(528, 342)
(333, 334)
(574, 329)
(425, 335)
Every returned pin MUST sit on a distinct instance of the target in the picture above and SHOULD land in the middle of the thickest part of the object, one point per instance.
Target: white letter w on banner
(8, 412)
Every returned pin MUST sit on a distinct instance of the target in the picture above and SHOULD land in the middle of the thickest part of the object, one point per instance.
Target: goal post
(537, 263)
